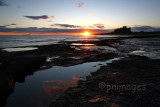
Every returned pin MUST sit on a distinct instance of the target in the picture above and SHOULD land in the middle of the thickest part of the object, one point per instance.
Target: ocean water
(36, 40)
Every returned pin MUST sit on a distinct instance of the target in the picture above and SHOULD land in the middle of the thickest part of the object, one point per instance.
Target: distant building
(123, 30)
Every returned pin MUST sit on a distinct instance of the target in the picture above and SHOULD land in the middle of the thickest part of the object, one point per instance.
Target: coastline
(105, 86)
(15, 66)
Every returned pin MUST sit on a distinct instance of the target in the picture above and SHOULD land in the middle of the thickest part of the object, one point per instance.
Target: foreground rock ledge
(139, 77)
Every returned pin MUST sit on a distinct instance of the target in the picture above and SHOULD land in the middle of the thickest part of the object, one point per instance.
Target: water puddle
(101, 49)
(40, 89)
(19, 49)
(81, 44)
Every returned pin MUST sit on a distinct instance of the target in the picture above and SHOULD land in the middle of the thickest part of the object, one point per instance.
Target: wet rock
(139, 76)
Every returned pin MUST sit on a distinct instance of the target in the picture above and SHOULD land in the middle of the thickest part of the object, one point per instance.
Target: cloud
(35, 29)
(91, 13)
(91, 27)
(53, 17)
(13, 24)
(145, 28)
(38, 17)
(66, 25)
(50, 21)
(80, 5)
(3, 3)
(100, 26)
(5, 29)
(60, 11)
(4, 26)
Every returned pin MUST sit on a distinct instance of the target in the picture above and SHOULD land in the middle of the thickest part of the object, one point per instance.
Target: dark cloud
(4, 26)
(33, 29)
(66, 25)
(80, 5)
(100, 26)
(91, 27)
(13, 24)
(145, 28)
(38, 17)
(44, 30)
(2, 3)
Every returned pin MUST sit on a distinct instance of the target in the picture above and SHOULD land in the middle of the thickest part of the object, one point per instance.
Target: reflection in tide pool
(43, 86)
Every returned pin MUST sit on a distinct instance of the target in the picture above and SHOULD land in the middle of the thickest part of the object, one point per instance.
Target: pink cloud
(50, 21)
(73, 4)
(91, 13)
(60, 11)
(53, 17)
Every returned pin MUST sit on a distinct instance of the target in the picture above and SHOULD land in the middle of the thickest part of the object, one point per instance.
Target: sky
(53, 16)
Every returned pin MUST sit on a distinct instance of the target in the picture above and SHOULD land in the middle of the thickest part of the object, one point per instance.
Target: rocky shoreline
(132, 81)
(15, 66)
(132, 69)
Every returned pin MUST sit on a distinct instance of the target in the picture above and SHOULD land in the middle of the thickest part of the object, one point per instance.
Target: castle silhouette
(123, 30)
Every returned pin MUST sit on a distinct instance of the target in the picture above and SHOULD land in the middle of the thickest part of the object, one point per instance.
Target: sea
(36, 40)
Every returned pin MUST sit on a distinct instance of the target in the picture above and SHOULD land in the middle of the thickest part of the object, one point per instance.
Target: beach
(131, 61)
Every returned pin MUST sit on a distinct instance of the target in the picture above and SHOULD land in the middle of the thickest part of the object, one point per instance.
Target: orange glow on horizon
(86, 33)
(38, 33)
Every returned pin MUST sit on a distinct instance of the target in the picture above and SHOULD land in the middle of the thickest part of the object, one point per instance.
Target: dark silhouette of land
(123, 30)
(126, 31)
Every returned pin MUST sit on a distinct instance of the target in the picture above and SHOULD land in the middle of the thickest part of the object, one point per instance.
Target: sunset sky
(52, 16)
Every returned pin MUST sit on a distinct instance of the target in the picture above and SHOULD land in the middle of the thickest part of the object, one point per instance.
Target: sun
(86, 33)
